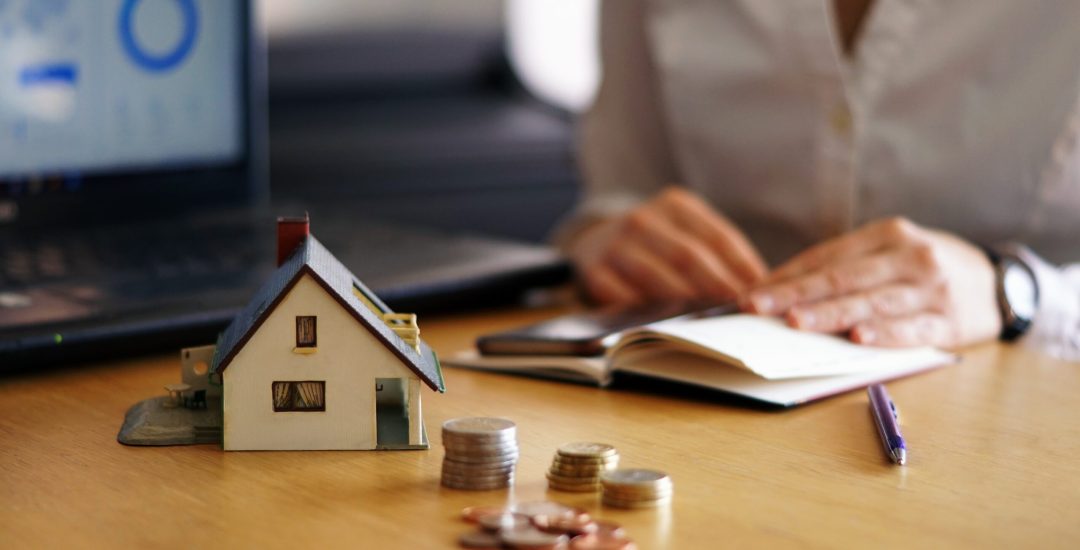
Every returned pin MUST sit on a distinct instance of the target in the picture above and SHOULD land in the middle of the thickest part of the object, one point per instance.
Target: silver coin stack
(481, 453)
(634, 488)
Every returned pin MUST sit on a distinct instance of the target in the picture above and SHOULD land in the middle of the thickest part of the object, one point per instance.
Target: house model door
(391, 412)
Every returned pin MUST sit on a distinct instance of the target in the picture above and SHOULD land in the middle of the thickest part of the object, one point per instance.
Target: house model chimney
(291, 233)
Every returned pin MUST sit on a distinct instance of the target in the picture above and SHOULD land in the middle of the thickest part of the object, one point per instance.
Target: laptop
(134, 201)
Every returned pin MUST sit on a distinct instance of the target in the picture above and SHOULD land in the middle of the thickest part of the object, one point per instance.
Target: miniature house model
(317, 361)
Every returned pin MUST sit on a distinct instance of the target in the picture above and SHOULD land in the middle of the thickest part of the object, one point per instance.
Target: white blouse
(961, 115)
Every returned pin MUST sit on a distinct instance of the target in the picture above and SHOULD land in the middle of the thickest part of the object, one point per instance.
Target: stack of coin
(480, 453)
(577, 466)
(632, 488)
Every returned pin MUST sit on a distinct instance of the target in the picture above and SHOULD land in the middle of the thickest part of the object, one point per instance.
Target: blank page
(772, 350)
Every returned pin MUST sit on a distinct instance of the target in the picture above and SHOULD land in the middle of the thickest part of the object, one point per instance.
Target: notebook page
(701, 371)
(772, 350)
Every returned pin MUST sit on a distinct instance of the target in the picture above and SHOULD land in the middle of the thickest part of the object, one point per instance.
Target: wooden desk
(995, 461)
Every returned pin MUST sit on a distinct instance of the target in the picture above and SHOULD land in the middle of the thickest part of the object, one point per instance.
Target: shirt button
(841, 120)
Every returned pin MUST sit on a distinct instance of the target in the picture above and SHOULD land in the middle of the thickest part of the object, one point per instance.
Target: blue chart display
(101, 85)
(168, 60)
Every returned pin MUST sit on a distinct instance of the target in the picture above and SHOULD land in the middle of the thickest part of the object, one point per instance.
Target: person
(860, 147)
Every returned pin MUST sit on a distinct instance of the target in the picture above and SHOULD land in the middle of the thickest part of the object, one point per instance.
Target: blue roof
(314, 259)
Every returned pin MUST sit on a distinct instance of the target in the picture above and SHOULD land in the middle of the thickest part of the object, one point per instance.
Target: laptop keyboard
(120, 255)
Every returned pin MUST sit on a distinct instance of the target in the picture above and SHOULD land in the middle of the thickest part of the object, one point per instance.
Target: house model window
(305, 331)
(299, 396)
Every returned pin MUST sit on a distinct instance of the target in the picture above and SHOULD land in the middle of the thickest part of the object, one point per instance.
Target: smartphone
(587, 333)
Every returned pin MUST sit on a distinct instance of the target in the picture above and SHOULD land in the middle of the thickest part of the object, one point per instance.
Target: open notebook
(757, 357)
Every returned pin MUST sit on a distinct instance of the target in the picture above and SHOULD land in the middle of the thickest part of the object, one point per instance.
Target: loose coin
(532, 538)
(610, 530)
(547, 508)
(508, 520)
(596, 541)
(572, 526)
(472, 514)
(480, 539)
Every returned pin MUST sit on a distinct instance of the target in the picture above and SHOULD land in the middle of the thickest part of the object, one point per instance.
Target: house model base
(315, 361)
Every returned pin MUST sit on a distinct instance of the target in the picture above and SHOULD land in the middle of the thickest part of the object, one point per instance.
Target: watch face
(1020, 292)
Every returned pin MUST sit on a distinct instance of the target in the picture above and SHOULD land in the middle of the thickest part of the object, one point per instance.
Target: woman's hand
(889, 283)
(673, 247)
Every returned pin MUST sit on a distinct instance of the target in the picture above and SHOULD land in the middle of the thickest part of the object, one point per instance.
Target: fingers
(921, 329)
(695, 217)
(841, 314)
(607, 287)
(648, 273)
(672, 247)
(909, 264)
(865, 240)
(687, 256)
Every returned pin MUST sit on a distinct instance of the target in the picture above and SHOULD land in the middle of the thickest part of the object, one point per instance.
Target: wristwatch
(1017, 294)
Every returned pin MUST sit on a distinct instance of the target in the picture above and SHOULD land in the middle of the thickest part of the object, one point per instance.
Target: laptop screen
(119, 86)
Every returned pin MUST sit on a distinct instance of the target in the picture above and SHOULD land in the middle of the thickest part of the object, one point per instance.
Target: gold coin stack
(481, 453)
(633, 488)
(577, 466)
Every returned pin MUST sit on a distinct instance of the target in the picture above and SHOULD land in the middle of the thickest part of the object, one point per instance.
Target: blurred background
(457, 115)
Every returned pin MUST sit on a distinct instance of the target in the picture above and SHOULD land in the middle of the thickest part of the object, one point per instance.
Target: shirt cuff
(1056, 327)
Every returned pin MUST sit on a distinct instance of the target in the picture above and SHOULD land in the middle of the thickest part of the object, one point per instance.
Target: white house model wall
(348, 358)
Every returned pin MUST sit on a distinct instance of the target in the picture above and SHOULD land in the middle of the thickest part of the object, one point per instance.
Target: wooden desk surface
(995, 461)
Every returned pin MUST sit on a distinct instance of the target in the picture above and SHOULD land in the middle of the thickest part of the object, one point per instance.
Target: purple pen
(887, 420)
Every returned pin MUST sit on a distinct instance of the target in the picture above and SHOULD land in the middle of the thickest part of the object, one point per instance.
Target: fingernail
(865, 336)
(801, 319)
(761, 302)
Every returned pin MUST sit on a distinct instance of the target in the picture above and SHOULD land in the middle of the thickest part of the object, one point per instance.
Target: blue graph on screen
(37, 13)
(164, 62)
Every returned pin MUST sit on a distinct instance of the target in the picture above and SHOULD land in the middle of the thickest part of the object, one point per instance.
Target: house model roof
(312, 258)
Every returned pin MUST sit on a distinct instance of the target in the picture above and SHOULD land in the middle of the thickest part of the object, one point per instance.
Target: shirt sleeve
(1056, 327)
(626, 157)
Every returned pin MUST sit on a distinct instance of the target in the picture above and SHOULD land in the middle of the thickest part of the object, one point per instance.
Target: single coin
(554, 486)
(591, 480)
(637, 496)
(478, 425)
(490, 457)
(634, 491)
(451, 483)
(532, 538)
(472, 514)
(577, 472)
(635, 476)
(610, 530)
(596, 541)
(507, 520)
(584, 460)
(572, 526)
(496, 464)
(477, 468)
(480, 539)
(584, 469)
(547, 508)
(636, 503)
(587, 449)
(478, 448)
(477, 481)
(468, 444)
